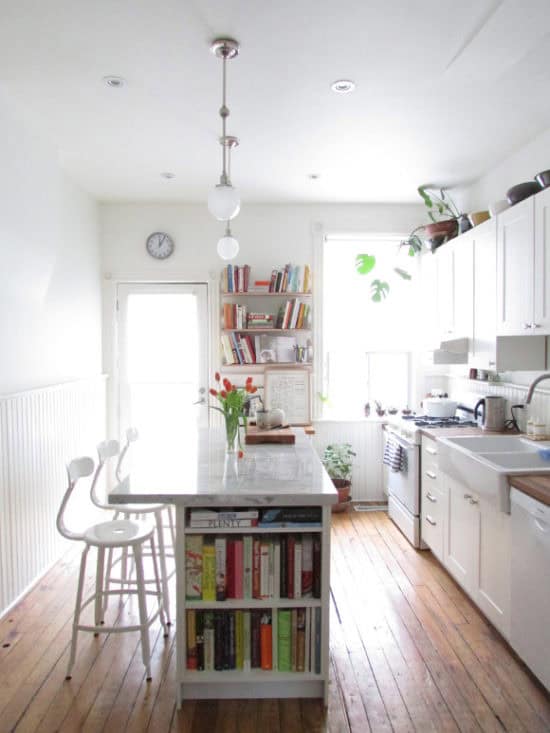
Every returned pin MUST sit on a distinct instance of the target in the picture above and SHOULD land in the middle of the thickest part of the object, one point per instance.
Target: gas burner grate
(423, 421)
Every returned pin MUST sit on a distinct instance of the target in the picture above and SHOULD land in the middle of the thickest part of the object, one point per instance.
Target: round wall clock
(159, 245)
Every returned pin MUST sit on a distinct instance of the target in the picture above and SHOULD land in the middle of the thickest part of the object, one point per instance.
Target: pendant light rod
(226, 49)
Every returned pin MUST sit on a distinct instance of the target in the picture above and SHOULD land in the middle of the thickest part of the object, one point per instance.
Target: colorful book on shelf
(247, 567)
(284, 640)
(316, 567)
(199, 639)
(193, 567)
(191, 639)
(266, 641)
(208, 634)
(221, 554)
(208, 571)
(290, 516)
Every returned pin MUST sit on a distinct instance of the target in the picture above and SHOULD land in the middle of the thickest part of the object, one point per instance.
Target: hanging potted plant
(337, 459)
(444, 215)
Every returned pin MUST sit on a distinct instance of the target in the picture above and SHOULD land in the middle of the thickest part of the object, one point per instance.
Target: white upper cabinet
(523, 267)
(455, 289)
(483, 350)
(541, 321)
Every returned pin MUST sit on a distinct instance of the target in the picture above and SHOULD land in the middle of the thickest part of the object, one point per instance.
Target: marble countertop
(199, 473)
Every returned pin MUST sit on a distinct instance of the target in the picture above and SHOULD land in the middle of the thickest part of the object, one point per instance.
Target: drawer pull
(431, 451)
(431, 475)
(430, 520)
(431, 498)
(474, 501)
(467, 496)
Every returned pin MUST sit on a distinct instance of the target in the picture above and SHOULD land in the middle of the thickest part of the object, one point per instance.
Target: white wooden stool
(121, 534)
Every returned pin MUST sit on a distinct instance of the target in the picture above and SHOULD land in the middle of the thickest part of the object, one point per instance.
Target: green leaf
(402, 273)
(427, 200)
(379, 290)
(365, 264)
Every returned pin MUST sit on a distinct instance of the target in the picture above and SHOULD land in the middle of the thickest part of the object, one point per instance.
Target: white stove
(403, 432)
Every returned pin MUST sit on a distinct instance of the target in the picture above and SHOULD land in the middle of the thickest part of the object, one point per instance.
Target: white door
(162, 363)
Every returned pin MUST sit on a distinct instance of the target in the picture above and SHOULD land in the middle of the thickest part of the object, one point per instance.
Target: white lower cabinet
(493, 572)
(471, 537)
(461, 535)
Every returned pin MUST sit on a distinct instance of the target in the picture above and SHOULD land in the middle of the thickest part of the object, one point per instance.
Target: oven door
(404, 486)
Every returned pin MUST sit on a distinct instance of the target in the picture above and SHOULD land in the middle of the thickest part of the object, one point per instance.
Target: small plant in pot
(338, 461)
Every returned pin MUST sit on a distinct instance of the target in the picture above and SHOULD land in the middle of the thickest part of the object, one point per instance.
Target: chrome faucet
(533, 385)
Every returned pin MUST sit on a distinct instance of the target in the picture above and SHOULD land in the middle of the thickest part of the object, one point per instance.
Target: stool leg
(77, 609)
(99, 580)
(160, 599)
(108, 580)
(162, 562)
(172, 528)
(144, 628)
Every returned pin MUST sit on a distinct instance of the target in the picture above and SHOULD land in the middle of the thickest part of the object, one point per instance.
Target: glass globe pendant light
(228, 246)
(223, 200)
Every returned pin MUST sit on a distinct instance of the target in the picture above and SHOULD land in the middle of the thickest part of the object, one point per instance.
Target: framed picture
(290, 390)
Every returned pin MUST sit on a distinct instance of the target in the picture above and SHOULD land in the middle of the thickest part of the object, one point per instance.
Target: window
(367, 344)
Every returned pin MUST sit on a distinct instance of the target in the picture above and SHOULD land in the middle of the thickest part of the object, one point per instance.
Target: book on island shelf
(259, 566)
(244, 639)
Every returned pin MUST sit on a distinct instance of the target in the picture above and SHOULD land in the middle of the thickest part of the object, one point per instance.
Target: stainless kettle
(492, 417)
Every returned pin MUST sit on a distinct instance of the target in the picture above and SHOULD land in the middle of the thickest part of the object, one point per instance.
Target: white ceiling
(445, 89)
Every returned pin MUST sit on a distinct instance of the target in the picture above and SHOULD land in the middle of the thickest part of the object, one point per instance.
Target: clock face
(159, 245)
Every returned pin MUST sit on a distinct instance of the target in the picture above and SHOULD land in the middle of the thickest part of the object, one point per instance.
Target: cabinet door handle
(431, 498)
(474, 501)
(430, 520)
(535, 325)
(431, 451)
(431, 475)
(467, 496)
(492, 363)
(526, 326)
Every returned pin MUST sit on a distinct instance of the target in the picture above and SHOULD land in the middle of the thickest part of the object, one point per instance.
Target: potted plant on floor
(337, 460)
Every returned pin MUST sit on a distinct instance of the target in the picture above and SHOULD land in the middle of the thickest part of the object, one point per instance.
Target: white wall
(522, 165)
(50, 297)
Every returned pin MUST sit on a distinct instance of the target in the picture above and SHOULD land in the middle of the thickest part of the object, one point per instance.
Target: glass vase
(232, 420)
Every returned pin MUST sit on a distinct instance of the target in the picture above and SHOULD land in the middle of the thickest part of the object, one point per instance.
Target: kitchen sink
(483, 463)
(517, 462)
(494, 443)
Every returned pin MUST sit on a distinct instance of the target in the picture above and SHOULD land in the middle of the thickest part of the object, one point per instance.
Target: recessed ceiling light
(343, 86)
(313, 176)
(114, 81)
(168, 175)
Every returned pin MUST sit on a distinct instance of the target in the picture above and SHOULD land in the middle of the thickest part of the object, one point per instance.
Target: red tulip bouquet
(231, 400)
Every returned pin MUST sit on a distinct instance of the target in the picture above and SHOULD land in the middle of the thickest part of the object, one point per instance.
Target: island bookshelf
(256, 682)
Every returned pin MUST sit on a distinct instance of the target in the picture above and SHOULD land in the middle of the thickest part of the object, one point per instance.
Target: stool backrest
(106, 450)
(132, 435)
(78, 468)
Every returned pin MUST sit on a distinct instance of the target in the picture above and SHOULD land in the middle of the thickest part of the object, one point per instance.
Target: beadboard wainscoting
(40, 431)
(514, 394)
(366, 440)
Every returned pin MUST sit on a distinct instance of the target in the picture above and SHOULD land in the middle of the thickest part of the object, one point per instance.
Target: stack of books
(259, 566)
(291, 279)
(260, 320)
(234, 315)
(238, 348)
(219, 518)
(293, 314)
(243, 640)
(235, 279)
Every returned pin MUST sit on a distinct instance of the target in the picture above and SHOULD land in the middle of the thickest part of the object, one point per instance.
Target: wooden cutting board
(254, 436)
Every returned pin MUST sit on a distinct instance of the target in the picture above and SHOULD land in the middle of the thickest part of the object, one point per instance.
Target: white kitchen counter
(199, 473)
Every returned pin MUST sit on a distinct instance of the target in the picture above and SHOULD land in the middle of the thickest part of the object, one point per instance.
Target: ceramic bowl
(478, 217)
(543, 179)
(498, 206)
(521, 191)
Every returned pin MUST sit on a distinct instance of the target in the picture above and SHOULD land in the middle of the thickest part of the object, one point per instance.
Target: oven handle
(405, 444)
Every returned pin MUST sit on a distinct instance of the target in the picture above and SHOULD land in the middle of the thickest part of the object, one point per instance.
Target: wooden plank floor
(409, 652)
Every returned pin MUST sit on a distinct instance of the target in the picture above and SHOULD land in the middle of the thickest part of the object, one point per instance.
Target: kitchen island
(200, 475)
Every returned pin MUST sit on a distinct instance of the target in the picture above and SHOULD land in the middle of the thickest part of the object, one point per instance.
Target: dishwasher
(530, 632)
